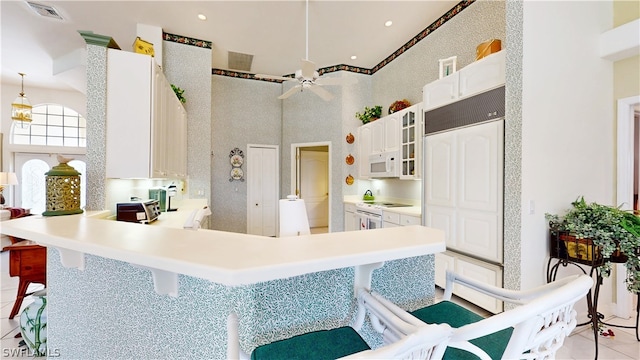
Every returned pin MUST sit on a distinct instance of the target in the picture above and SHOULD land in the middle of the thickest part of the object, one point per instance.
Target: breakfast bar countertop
(223, 257)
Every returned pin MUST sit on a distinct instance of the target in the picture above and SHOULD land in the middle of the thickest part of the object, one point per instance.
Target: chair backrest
(540, 324)
(424, 341)
(428, 342)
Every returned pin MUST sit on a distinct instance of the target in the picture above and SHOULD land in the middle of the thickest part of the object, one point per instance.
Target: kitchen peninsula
(117, 289)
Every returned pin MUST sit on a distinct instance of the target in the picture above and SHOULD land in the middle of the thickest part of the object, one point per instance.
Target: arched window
(52, 125)
(54, 128)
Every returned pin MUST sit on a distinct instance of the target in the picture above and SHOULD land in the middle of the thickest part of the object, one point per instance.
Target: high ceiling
(272, 31)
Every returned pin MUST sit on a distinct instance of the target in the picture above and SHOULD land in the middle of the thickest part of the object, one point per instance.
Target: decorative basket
(487, 48)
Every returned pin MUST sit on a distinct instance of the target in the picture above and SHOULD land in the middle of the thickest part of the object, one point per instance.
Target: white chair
(423, 342)
(534, 329)
(293, 217)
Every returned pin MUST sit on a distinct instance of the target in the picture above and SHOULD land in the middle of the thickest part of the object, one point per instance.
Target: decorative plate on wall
(349, 160)
(350, 138)
(349, 180)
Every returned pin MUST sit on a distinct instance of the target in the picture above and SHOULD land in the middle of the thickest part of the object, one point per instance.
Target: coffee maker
(172, 191)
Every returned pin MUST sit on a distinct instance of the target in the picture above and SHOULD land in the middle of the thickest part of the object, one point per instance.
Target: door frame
(624, 196)
(294, 170)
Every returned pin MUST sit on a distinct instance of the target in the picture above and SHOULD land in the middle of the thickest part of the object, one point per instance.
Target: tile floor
(577, 346)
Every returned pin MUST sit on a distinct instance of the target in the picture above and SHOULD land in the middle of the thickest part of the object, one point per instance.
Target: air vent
(44, 10)
(240, 61)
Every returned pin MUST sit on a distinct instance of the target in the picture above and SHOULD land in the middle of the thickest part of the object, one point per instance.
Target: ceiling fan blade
(336, 81)
(324, 94)
(308, 68)
(289, 92)
(273, 77)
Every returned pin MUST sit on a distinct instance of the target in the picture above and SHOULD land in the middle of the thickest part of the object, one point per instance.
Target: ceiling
(272, 31)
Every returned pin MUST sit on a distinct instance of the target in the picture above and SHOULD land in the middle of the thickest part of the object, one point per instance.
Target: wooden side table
(27, 260)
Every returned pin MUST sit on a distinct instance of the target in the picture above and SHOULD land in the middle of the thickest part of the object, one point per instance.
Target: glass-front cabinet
(410, 140)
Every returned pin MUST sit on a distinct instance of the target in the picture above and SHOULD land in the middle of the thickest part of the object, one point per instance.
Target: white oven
(369, 216)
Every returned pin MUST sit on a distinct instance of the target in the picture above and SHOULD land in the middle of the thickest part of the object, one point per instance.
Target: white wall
(568, 138)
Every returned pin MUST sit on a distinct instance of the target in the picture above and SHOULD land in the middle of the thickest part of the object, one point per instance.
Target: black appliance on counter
(143, 212)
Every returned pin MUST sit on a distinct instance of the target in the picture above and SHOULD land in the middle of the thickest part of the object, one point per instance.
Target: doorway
(310, 174)
(627, 183)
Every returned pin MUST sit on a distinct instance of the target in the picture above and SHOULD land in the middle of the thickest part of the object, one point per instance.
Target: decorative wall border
(342, 67)
(187, 40)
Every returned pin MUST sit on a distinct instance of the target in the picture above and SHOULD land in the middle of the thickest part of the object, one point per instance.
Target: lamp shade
(8, 178)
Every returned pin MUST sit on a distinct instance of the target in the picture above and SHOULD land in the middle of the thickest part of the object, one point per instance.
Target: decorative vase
(33, 324)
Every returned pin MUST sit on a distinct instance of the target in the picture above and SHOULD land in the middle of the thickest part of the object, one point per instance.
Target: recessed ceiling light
(202, 17)
(353, 57)
(388, 23)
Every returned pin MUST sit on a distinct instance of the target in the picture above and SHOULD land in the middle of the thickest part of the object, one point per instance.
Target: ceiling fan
(307, 76)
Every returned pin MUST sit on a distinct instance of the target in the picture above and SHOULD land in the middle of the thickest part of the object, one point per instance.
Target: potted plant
(179, 93)
(370, 114)
(610, 229)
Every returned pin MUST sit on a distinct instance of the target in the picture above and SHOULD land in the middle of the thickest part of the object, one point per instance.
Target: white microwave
(386, 164)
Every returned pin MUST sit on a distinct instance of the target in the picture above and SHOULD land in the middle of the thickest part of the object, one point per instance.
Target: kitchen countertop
(415, 210)
(223, 257)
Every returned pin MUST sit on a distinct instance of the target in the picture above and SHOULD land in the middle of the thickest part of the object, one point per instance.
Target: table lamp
(6, 178)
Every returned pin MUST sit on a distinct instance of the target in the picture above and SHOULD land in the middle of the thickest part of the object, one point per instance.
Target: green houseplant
(179, 93)
(610, 228)
(369, 114)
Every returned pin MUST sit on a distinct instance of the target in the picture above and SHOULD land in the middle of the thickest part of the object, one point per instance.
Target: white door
(479, 190)
(262, 189)
(314, 186)
(30, 193)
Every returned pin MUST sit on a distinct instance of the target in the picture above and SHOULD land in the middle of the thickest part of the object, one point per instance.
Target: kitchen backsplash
(121, 190)
(392, 189)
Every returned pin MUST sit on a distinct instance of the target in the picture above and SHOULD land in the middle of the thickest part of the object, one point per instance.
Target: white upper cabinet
(479, 76)
(410, 141)
(364, 149)
(146, 123)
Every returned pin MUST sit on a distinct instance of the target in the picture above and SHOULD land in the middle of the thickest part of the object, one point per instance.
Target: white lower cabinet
(350, 219)
(392, 219)
(475, 269)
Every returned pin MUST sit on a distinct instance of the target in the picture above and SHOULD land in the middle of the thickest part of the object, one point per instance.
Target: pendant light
(21, 109)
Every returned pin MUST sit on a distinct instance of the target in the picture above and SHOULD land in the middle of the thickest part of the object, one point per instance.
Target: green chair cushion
(457, 316)
(323, 344)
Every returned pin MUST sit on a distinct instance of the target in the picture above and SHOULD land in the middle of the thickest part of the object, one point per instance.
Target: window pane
(38, 140)
(71, 132)
(54, 109)
(70, 112)
(34, 185)
(83, 143)
(54, 141)
(82, 132)
(20, 131)
(38, 119)
(21, 139)
(55, 130)
(71, 121)
(83, 122)
(70, 142)
(38, 130)
(54, 120)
